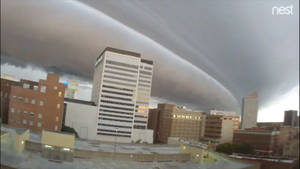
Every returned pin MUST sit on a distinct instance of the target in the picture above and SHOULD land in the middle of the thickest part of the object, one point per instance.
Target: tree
(69, 130)
(229, 148)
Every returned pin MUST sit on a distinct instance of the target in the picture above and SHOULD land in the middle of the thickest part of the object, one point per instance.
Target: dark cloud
(207, 54)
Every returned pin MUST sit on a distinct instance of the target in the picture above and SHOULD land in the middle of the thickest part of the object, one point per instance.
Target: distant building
(37, 105)
(172, 121)
(290, 118)
(5, 99)
(268, 140)
(220, 112)
(219, 128)
(249, 111)
(71, 89)
(82, 117)
(270, 124)
(121, 90)
(264, 140)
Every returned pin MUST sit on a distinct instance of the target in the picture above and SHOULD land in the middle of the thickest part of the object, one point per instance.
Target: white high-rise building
(249, 111)
(121, 90)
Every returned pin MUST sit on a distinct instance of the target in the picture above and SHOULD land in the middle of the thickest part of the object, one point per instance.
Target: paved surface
(109, 147)
(29, 160)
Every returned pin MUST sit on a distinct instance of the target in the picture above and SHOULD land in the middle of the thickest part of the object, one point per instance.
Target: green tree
(229, 148)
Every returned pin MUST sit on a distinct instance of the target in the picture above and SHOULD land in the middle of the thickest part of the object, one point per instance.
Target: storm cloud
(207, 54)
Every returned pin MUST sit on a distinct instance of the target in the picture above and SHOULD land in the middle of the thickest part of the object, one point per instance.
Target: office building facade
(121, 90)
(249, 111)
(219, 128)
(71, 89)
(169, 120)
(37, 105)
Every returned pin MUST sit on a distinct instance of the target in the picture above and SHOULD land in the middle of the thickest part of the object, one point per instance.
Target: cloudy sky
(207, 54)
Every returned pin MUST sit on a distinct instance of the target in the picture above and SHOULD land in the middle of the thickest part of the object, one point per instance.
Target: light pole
(115, 140)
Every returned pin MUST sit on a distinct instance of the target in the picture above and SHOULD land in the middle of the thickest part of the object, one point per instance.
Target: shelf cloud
(207, 54)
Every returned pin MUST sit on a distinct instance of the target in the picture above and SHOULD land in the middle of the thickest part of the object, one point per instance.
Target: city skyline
(209, 88)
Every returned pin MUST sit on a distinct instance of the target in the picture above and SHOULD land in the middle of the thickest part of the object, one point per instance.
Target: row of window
(119, 83)
(117, 103)
(118, 68)
(121, 64)
(119, 78)
(116, 126)
(33, 101)
(102, 118)
(186, 117)
(119, 73)
(40, 115)
(43, 88)
(26, 100)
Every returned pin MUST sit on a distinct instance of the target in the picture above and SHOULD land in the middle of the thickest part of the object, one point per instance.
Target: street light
(116, 140)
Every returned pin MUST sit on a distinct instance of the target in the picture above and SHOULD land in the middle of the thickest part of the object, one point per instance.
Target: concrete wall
(83, 118)
(143, 135)
(227, 131)
(58, 139)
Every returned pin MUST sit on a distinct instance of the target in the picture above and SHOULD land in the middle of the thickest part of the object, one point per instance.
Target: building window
(31, 123)
(24, 121)
(12, 110)
(55, 127)
(35, 88)
(33, 101)
(31, 113)
(43, 89)
(41, 103)
(20, 98)
(59, 94)
(40, 116)
(26, 100)
(25, 112)
(58, 106)
(56, 118)
(55, 87)
(39, 124)
(26, 86)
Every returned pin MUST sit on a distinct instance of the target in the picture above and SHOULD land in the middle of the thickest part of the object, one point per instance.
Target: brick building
(264, 140)
(219, 128)
(5, 93)
(37, 105)
(172, 121)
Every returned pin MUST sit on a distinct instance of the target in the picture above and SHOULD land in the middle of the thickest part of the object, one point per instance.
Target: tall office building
(249, 111)
(290, 118)
(121, 89)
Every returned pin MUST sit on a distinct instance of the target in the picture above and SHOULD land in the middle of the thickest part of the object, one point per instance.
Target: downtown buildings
(37, 105)
(121, 90)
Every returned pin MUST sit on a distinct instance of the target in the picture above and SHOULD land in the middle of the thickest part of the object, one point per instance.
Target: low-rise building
(82, 117)
(57, 145)
(264, 140)
(37, 105)
(169, 120)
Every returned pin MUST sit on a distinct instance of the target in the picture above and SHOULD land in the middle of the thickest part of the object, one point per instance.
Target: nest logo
(283, 10)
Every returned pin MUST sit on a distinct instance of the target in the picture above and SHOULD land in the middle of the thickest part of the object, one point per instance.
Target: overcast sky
(207, 54)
